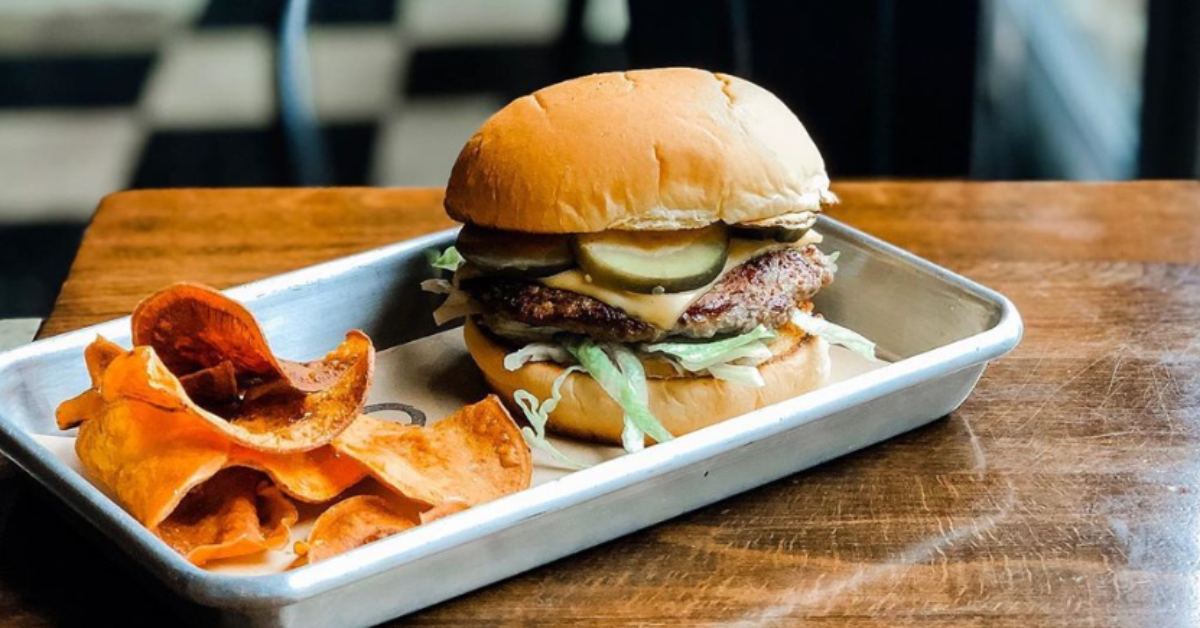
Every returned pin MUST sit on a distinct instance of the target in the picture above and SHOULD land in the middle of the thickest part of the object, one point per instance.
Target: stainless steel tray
(940, 328)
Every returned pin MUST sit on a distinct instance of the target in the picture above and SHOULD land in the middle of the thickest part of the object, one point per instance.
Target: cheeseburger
(637, 258)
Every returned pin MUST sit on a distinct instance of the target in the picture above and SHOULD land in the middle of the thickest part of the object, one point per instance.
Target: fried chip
(169, 470)
(276, 423)
(97, 356)
(213, 387)
(148, 458)
(354, 522)
(475, 455)
(76, 410)
(203, 435)
(311, 476)
(443, 510)
(194, 327)
(235, 513)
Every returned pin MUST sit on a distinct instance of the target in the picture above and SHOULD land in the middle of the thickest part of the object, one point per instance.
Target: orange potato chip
(475, 455)
(443, 510)
(194, 327)
(235, 513)
(98, 355)
(78, 409)
(148, 458)
(310, 476)
(354, 522)
(213, 387)
(275, 423)
(154, 462)
(88, 404)
(202, 434)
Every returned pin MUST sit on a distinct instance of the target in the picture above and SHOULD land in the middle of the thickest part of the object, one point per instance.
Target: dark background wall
(98, 96)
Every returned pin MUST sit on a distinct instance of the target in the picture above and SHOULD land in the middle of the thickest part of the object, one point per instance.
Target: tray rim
(273, 590)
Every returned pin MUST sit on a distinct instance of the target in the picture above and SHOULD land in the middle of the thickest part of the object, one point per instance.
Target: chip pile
(209, 439)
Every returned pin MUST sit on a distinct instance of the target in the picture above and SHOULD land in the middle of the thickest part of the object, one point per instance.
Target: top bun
(664, 149)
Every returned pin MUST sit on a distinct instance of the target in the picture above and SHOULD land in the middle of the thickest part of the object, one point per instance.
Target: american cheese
(663, 310)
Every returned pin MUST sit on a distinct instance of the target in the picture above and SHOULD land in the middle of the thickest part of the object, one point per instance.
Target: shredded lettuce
(834, 334)
(633, 436)
(632, 439)
(719, 357)
(739, 374)
(437, 286)
(536, 352)
(457, 305)
(625, 382)
(539, 413)
(449, 259)
(697, 356)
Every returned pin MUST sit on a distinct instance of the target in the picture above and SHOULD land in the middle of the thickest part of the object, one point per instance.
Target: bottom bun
(683, 404)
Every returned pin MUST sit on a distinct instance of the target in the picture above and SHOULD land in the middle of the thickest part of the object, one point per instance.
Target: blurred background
(103, 95)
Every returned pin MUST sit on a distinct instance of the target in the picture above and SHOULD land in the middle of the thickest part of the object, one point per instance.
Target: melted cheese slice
(664, 310)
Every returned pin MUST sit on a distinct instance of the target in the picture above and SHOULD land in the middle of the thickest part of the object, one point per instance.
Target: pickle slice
(654, 261)
(515, 254)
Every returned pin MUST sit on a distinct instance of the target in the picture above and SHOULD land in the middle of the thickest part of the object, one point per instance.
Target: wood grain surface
(1065, 491)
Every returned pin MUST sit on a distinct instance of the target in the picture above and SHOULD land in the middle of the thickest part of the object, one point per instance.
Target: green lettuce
(698, 356)
(743, 374)
(539, 413)
(450, 259)
(834, 334)
(625, 382)
(536, 352)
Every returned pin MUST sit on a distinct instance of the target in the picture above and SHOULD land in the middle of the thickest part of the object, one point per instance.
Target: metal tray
(939, 328)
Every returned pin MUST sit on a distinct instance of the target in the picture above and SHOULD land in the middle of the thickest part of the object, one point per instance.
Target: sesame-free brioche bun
(663, 149)
(682, 404)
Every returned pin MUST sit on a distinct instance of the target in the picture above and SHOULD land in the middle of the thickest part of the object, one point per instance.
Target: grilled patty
(762, 291)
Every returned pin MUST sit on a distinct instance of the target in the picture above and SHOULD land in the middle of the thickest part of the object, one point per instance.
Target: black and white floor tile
(100, 95)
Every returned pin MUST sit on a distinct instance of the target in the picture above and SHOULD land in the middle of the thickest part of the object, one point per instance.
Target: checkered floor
(97, 96)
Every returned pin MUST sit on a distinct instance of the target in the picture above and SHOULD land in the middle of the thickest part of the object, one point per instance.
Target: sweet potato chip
(167, 468)
(473, 456)
(310, 476)
(213, 387)
(193, 327)
(443, 510)
(202, 434)
(147, 458)
(88, 404)
(236, 513)
(276, 423)
(354, 522)
(98, 355)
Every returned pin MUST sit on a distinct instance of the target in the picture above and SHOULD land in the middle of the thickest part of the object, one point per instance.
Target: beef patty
(761, 291)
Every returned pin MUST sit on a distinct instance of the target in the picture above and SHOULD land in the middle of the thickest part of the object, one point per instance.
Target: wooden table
(1065, 491)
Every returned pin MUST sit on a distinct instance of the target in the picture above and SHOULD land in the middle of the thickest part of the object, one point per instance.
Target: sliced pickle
(785, 228)
(654, 261)
(513, 253)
